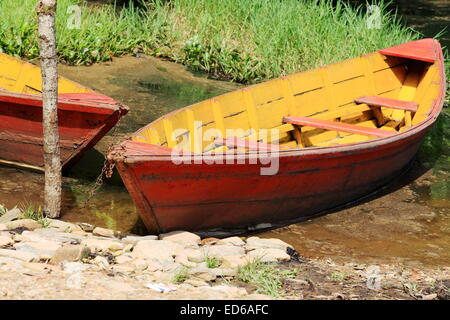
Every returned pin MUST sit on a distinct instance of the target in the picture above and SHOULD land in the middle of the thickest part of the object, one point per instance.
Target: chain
(108, 165)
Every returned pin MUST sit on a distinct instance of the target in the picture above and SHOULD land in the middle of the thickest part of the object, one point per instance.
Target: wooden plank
(338, 126)
(388, 103)
(235, 142)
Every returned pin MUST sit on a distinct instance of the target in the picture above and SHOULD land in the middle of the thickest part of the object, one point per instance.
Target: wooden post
(46, 10)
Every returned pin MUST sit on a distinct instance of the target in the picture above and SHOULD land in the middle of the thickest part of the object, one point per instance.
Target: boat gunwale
(310, 151)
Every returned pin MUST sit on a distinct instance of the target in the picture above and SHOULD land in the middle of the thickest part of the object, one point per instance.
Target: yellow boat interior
(356, 100)
(22, 77)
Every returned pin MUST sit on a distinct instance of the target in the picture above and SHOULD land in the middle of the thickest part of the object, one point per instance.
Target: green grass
(244, 41)
(35, 213)
(181, 275)
(267, 277)
(212, 262)
(3, 210)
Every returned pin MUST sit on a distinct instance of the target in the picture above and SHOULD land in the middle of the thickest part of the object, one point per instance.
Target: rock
(184, 238)
(100, 261)
(235, 241)
(225, 272)
(268, 255)
(209, 241)
(74, 267)
(124, 258)
(57, 235)
(75, 281)
(123, 268)
(220, 251)
(19, 255)
(69, 253)
(3, 227)
(62, 225)
(182, 259)
(23, 223)
(196, 283)
(202, 273)
(256, 243)
(44, 249)
(134, 239)
(230, 291)
(86, 227)
(41, 267)
(157, 250)
(195, 255)
(102, 244)
(5, 241)
(234, 262)
(11, 215)
(108, 233)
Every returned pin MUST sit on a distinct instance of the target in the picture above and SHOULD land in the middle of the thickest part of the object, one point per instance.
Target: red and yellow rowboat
(84, 116)
(337, 133)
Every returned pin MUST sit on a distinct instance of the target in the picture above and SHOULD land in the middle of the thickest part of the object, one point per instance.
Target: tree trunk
(46, 10)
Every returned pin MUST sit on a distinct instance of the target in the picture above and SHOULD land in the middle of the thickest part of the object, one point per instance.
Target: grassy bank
(244, 41)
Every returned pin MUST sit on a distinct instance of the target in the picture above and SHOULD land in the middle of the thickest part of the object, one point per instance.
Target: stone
(102, 245)
(184, 238)
(225, 272)
(195, 255)
(69, 253)
(123, 268)
(256, 243)
(196, 283)
(220, 251)
(75, 281)
(5, 241)
(230, 291)
(268, 255)
(19, 255)
(184, 261)
(158, 250)
(11, 215)
(44, 249)
(209, 241)
(108, 233)
(74, 267)
(124, 258)
(23, 223)
(3, 227)
(41, 267)
(234, 262)
(57, 235)
(134, 239)
(100, 261)
(62, 225)
(235, 241)
(86, 227)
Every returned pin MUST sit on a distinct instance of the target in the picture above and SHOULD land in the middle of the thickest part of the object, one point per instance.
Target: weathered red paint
(199, 197)
(84, 119)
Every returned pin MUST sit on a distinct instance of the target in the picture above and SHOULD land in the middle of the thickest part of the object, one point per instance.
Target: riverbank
(52, 259)
(242, 41)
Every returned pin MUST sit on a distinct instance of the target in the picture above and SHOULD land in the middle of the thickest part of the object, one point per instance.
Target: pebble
(62, 225)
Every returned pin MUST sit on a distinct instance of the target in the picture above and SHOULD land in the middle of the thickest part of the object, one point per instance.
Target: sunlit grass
(245, 41)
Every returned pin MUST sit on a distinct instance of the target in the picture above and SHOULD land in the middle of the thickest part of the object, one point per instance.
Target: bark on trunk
(46, 10)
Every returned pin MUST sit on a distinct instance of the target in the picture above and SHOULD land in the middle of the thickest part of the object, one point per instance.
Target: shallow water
(409, 221)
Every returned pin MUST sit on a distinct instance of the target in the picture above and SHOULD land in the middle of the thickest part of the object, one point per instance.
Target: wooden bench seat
(388, 103)
(338, 126)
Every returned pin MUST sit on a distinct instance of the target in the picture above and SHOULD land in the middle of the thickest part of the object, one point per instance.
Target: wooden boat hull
(215, 197)
(84, 116)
